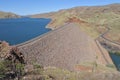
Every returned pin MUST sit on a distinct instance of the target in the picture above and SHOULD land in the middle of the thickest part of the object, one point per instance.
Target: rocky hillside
(10, 52)
(93, 20)
(8, 15)
(11, 62)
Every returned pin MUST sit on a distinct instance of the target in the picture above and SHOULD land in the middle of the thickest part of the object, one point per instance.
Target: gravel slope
(64, 48)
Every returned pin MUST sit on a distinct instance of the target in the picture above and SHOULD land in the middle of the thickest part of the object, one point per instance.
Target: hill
(8, 15)
(96, 19)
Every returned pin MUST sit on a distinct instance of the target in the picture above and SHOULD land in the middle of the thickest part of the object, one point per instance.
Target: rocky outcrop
(65, 48)
(10, 53)
(4, 49)
(11, 62)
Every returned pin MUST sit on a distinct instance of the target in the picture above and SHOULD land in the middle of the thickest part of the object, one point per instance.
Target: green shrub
(38, 69)
(115, 52)
(4, 67)
(20, 68)
(110, 65)
(36, 66)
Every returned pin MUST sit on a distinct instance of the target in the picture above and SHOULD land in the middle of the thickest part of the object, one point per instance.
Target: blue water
(16, 31)
(116, 60)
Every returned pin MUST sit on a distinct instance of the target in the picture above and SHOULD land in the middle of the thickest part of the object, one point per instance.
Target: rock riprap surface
(64, 48)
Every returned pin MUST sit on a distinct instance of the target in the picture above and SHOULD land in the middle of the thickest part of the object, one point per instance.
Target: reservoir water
(116, 60)
(19, 30)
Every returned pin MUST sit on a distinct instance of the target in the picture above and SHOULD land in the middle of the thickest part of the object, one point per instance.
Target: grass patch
(111, 66)
(115, 52)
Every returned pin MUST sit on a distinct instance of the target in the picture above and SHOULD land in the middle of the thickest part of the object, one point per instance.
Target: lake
(19, 30)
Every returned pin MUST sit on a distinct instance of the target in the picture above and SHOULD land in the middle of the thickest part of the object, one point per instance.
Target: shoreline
(37, 38)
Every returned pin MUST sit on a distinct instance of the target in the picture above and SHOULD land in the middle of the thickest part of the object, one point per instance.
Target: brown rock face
(10, 53)
(76, 20)
(64, 48)
(4, 49)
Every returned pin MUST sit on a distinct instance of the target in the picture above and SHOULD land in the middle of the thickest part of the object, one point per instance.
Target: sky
(27, 7)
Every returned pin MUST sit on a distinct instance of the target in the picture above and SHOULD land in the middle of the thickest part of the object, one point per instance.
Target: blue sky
(25, 7)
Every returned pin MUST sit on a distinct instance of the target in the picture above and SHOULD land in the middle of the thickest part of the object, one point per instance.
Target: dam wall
(65, 48)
